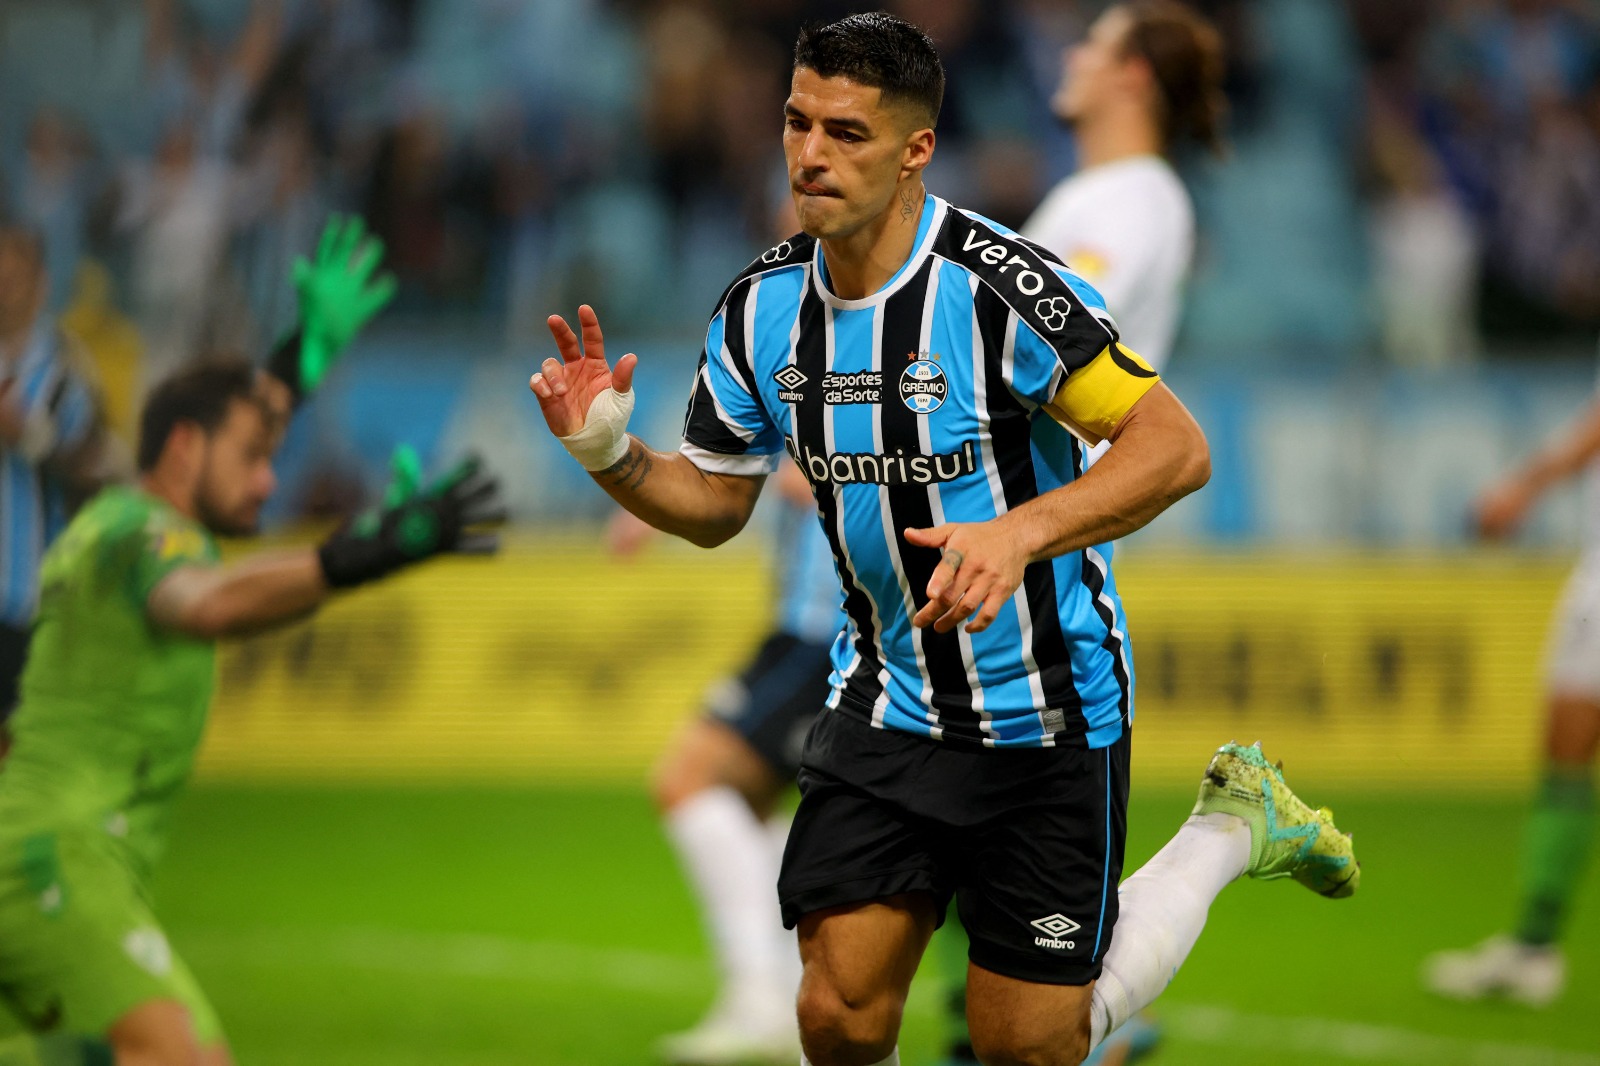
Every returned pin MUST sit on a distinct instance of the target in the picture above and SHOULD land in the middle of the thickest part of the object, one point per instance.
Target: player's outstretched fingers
(594, 342)
(566, 340)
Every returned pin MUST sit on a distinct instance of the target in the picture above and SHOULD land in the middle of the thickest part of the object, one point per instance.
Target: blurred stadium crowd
(1412, 183)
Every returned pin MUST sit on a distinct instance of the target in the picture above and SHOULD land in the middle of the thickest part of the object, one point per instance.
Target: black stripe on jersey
(1026, 280)
(865, 685)
(1094, 579)
(1011, 438)
(793, 251)
(736, 307)
(702, 426)
(909, 507)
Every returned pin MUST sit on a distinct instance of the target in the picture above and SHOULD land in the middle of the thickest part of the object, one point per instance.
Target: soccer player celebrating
(1528, 965)
(1146, 79)
(119, 677)
(922, 366)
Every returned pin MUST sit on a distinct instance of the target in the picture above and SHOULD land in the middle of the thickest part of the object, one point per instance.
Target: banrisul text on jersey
(958, 391)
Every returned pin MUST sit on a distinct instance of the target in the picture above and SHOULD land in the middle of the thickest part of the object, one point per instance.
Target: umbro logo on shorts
(1057, 927)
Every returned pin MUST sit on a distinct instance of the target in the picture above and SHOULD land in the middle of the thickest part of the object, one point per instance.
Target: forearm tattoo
(630, 471)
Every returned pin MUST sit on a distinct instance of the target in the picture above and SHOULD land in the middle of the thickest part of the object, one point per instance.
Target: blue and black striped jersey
(937, 399)
(33, 504)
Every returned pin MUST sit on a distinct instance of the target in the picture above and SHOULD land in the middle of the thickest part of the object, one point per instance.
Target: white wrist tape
(603, 440)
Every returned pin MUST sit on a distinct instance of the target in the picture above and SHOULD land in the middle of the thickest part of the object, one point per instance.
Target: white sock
(1162, 909)
(728, 856)
(892, 1060)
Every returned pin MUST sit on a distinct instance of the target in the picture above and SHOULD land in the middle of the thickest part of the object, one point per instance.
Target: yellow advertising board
(555, 662)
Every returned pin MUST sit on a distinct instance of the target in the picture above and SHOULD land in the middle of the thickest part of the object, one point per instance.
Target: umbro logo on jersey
(772, 255)
(789, 380)
(1056, 927)
(1053, 312)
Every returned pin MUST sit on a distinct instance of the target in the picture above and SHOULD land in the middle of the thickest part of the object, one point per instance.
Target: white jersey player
(1147, 78)
(1127, 226)
(1527, 965)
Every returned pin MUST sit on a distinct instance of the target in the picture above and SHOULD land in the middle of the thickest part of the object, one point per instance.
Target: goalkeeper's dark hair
(1185, 55)
(880, 50)
(201, 394)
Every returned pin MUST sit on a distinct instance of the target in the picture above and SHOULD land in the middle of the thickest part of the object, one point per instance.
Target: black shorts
(13, 654)
(774, 701)
(1028, 841)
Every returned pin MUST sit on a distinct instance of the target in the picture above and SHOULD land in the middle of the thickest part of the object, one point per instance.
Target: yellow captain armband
(1098, 395)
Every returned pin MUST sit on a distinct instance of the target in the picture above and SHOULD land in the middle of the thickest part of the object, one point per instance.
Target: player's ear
(918, 152)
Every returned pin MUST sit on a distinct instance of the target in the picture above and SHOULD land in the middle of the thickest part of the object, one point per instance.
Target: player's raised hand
(980, 568)
(340, 290)
(567, 388)
(457, 513)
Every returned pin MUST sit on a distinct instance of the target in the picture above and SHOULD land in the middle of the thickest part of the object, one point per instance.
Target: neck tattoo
(907, 205)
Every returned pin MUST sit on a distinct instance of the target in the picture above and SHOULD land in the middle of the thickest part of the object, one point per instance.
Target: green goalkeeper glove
(451, 515)
(405, 476)
(340, 292)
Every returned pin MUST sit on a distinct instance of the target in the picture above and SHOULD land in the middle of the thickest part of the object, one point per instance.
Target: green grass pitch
(479, 927)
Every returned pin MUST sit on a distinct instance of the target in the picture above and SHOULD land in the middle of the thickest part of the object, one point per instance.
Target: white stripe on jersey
(751, 464)
(892, 543)
(991, 474)
(1008, 362)
(739, 429)
(881, 706)
(1099, 563)
(936, 505)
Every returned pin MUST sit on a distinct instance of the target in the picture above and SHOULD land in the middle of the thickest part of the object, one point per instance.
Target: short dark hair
(201, 394)
(877, 49)
(1185, 55)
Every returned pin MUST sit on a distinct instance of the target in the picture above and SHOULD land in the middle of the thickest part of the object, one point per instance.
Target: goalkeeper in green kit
(119, 677)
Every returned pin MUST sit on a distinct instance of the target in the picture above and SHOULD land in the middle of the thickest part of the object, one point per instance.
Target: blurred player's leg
(1528, 966)
(949, 948)
(716, 792)
(1561, 832)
